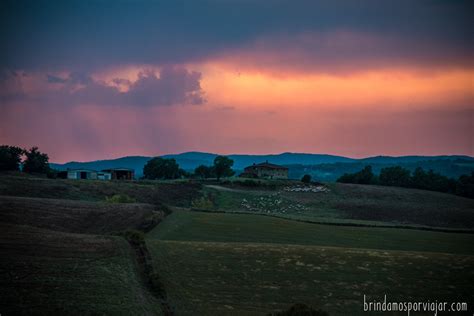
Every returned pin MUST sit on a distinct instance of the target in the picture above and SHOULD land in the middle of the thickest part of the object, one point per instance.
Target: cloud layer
(90, 34)
(354, 78)
(172, 86)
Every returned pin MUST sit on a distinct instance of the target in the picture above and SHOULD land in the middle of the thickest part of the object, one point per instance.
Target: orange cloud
(399, 88)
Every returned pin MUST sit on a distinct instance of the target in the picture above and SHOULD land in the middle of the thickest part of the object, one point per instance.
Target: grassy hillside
(215, 263)
(348, 203)
(152, 192)
(77, 216)
(48, 272)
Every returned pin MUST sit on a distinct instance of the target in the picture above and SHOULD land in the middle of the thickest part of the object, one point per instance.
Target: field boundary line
(423, 228)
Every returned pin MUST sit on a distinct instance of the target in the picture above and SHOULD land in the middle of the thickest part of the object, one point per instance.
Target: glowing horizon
(338, 85)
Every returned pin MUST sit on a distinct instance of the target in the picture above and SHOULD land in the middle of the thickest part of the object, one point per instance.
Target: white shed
(102, 175)
(78, 174)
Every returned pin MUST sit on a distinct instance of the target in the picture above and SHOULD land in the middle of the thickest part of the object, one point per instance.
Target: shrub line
(150, 277)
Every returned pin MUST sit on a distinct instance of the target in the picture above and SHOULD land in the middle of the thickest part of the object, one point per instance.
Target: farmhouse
(121, 173)
(265, 170)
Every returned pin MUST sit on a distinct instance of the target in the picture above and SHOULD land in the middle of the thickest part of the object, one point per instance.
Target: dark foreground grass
(223, 227)
(242, 264)
(209, 278)
(52, 273)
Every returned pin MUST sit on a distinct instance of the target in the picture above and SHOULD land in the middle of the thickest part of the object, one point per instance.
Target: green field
(61, 251)
(209, 278)
(249, 264)
(215, 227)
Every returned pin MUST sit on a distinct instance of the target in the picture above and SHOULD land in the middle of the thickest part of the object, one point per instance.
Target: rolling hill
(295, 161)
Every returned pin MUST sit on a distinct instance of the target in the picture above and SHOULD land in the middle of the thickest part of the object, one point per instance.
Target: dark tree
(465, 185)
(440, 183)
(223, 167)
(395, 176)
(365, 176)
(10, 157)
(420, 179)
(36, 161)
(204, 172)
(306, 178)
(162, 168)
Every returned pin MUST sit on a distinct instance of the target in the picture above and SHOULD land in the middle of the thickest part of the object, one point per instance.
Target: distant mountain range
(324, 167)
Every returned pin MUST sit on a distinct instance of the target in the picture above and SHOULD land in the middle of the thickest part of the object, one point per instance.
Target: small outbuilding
(265, 170)
(85, 174)
(120, 173)
(101, 175)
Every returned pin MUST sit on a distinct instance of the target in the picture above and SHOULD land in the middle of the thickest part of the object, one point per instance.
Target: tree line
(168, 168)
(419, 179)
(13, 158)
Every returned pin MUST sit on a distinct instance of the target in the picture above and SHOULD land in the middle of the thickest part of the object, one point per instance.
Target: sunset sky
(87, 80)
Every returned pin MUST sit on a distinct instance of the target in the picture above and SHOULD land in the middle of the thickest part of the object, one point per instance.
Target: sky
(87, 80)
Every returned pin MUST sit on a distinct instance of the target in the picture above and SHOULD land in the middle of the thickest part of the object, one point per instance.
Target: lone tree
(10, 157)
(36, 161)
(204, 172)
(306, 178)
(223, 167)
(162, 168)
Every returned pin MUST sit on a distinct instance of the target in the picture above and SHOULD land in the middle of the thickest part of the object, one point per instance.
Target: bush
(204, 172)
(395, 176)
(134, 236)
(202, 203)
(120, 198)
(156, 284)
(365, 176)
(306, 178)
(465, 186)
(432, 181)
(250, 183)
(150, 222)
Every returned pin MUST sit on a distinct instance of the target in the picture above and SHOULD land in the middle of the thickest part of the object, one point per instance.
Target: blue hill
(190, 160)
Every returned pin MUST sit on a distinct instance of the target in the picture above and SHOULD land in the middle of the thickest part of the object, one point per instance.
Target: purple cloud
(174, 85)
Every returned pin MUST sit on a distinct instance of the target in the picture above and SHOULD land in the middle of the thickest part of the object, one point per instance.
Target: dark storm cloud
(174, 85)
(91, 34)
